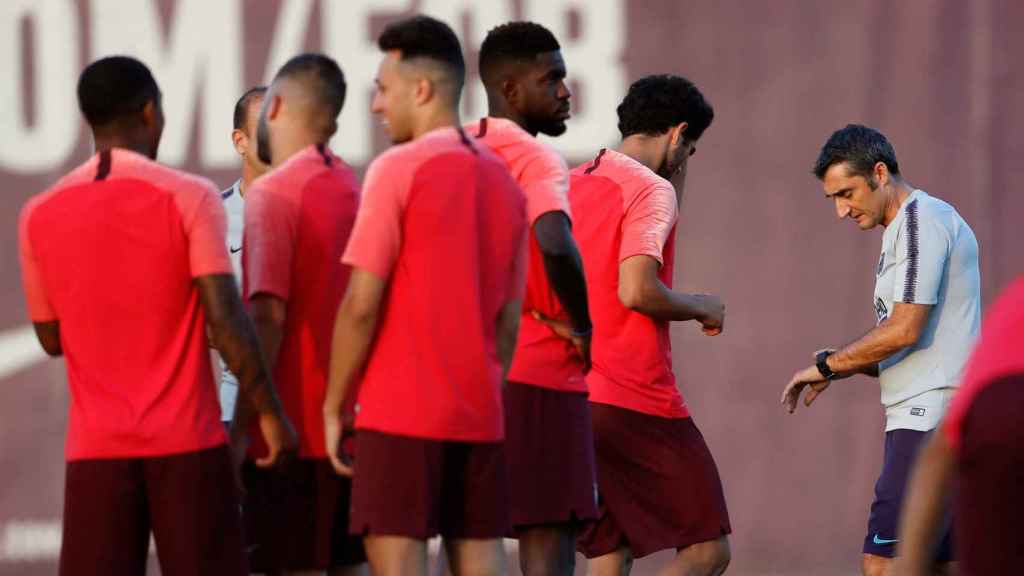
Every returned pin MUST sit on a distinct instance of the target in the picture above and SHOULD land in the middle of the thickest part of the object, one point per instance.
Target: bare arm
(48, 334)
(564, 268)
(901, 329)
(507, 332)
(923, 512)
(233, 335)
(354, 330)
(641, 290)
(268, 315)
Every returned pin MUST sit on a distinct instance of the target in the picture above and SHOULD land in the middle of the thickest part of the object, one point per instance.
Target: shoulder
(82, 174)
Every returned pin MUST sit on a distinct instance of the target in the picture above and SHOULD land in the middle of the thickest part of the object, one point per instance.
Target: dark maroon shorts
(296, 518)
(419, 488)
(989, 507)
(549, 445)
(659, 486)
(189, 501)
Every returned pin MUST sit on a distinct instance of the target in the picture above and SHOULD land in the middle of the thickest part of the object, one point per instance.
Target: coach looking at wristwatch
(927, 306)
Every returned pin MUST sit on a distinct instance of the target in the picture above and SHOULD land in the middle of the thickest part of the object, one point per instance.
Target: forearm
(506, 334)
(924, 511)
(565, 274)
(236, 340)
(350, 346)
(863, 355)
(659, 302)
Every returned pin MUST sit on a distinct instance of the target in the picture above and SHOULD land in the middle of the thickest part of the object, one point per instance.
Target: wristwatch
(821, 360)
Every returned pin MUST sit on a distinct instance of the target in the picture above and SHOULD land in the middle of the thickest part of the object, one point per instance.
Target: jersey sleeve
(922, 252)
(377, 234)
(269, 237)
(647, 223)
(206, 231)
(39, 308)
(545, 182)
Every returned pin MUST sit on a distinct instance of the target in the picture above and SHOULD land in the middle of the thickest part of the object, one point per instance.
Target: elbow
(906, 336)
(633, 296)
(359, 311)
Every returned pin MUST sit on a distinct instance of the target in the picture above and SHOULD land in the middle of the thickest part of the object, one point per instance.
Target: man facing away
(438, 258)
(297, 222)
(245, 118)
(658, 483)
(927, 305)
(548, 435)
(125, 272)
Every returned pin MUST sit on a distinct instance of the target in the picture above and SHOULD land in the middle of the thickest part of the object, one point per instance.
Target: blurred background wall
(938, 77)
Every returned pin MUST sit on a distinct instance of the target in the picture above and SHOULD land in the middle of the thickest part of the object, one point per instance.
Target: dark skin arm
(268, 315)
(928, 491)
(48, 334)
(901, 329)
(564, 268)
(232, 334)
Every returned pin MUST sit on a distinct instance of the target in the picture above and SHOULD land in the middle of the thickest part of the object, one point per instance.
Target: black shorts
(296, 518)
(901, 447)
(189, 501)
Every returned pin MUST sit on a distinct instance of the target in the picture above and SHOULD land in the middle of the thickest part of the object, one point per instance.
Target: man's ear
(881, 173)
(237, 137)
(678, 133)
(274, 106)
(423, 91)
(512, 92)
(149, 113)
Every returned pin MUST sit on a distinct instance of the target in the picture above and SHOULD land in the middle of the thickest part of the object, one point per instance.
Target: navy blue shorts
(901, 447)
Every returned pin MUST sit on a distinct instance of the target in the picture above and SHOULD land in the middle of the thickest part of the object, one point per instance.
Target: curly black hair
(655, 104)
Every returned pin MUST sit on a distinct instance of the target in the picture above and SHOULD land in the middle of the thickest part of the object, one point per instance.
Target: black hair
(860, 147)
(514, 42)
(242, 105)
(426, 37)
(115, 88)
(326, 78)
(655, 104)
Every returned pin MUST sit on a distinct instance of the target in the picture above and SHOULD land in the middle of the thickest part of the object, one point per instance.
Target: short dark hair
(655, 104)
(114, 88)
(242, 106)
(860, 147)
(327, 81)
(514, 42)
(425, 37)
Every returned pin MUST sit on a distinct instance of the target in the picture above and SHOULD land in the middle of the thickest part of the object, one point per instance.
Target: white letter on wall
(47, 143)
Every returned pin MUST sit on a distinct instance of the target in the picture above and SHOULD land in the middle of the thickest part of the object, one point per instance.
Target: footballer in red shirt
(298, 218)
(126, 272)
(548, 434)
(658, 483)
(431, 314)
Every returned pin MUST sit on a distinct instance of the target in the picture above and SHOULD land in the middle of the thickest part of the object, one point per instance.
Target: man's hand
(282, 442)
(334, 432)
(806, 377)
(563, 329)
(712, 318)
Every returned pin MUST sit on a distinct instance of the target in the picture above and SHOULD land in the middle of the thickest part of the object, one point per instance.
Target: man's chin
(553, 129)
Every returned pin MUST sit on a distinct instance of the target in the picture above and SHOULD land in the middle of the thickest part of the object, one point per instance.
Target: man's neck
(645, 150)
(441, 117)
(498, 108)
(901, 190)
(285, 150)
(109, 142)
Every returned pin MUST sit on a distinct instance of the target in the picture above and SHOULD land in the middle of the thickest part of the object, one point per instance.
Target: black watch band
(821, 361)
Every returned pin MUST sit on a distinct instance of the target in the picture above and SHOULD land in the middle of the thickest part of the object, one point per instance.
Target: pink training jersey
(542, 357)
(110, 253)
(626, 210)
(444, 223)
(297, 221)
(998, 353)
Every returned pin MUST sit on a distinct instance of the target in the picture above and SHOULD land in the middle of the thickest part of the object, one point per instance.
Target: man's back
(626, 210)
(444, 223)
(114, 247)
(298, 221)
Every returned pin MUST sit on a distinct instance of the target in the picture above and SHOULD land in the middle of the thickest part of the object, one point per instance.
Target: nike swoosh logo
(236, 250)
(881, 542)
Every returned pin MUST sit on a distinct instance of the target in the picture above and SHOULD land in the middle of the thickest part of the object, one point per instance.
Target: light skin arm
(901, 329)
(928, 491)
(232, 333)
(642, 291)
(48, 334)
(354, 330)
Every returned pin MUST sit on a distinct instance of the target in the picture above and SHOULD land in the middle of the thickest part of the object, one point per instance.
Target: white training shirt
(234, 206)
(929, 256)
